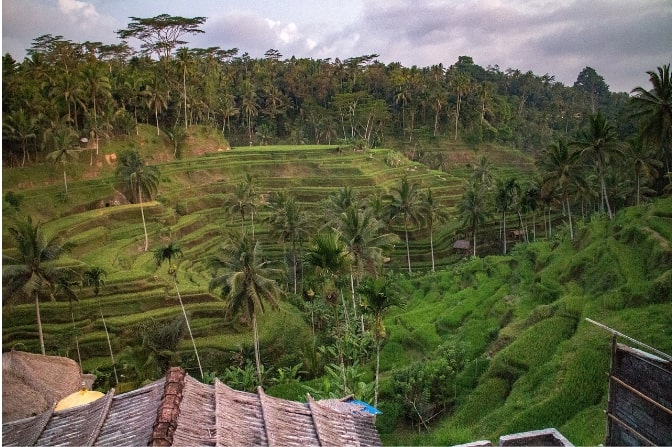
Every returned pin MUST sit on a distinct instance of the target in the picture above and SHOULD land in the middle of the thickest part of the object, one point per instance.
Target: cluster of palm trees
(99, 90)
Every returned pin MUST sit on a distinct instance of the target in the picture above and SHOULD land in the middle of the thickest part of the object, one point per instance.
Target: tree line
(97, 90)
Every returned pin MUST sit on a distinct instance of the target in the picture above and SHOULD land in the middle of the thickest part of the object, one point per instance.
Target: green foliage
(425, 389)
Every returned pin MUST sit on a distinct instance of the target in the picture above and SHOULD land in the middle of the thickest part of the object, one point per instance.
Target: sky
(620, 39)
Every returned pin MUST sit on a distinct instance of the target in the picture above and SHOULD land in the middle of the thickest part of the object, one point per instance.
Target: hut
(33, 383)
(180, 410)
(462, 245)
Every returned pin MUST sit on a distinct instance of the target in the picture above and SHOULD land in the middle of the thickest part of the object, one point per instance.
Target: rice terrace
(430, 241)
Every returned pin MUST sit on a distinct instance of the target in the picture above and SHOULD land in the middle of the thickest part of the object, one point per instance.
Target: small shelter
(180, 410)
(33, 383)
(462, 244)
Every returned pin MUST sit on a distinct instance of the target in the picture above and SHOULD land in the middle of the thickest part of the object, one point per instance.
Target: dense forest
(100, 90)
(348, 252)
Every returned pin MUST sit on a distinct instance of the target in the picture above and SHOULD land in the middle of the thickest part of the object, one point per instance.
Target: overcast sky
(620, 39)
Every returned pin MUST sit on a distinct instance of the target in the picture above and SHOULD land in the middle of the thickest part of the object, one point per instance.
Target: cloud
(23, 21)
(79, 12)
(616, 37)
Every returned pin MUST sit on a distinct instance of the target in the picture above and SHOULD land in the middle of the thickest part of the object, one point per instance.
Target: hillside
(530, 359)
(513, 327)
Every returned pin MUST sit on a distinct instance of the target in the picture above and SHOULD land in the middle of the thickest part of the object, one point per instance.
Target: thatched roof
(462, 244)
(179, 410)
(33, 383)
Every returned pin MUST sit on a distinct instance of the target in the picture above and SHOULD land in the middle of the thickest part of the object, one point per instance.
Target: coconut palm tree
(405, 202)
(169, 252)
(239, 204)
(28, 271)
(95, 277)
(361, 234)
(156, 99)
(18, 126)
(140, 179)
(289, 224)
(328, 257)
(483, 172)
(379, 295)
(473, 210)
(505, 196)
(641, 159)
(64, 140)
(435, 214)
(64, 288)
(654, 108)
(246, 283)
(561, 170)
(599, 144)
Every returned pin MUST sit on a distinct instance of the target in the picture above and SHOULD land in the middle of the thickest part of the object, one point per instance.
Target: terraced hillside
(192, 208)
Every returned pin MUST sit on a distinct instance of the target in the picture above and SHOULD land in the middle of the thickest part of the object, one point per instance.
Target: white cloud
(76, 10)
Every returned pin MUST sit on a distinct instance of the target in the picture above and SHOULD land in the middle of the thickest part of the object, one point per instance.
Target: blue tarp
(368, 408)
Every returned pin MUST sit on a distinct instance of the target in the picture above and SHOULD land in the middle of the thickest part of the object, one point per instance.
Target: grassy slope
(529, 308)
(534, 359)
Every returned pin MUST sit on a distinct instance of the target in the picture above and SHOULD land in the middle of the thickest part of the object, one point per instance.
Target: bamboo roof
(179, 411)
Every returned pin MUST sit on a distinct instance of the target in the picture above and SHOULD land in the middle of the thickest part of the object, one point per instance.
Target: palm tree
(185, 62)
(64, 285)
(251, 197)
(98, 86)
(642, 160)
(94, 277)
(599, 143)
(434, 214)
(288, 223)
(379, 296)
(246, 284)
(29, 271)
(461, 83)
(328, 257)
(654, 108)
(406, 203)
(483, 172)
(473, 210)
(140, 179)
(167, 253)
(65, 140)
(361, 234)
(240, 203)
(561, 170)
(157, 100)
(506, 193)
(18, 126)
(249, 105)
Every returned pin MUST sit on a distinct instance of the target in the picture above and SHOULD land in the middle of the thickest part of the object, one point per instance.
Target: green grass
(531, 360)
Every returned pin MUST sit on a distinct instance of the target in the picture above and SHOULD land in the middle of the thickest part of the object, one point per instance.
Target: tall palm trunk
(109, 345)
(74, 327)
(504, 229)
(569, 215)
(39, 323)
(184, 312)
(408, 251)
(375, 388)
(144, 224)
(257, 356)
(431, 246)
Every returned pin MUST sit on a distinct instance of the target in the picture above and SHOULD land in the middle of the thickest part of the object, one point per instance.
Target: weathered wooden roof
(180, 410)
(462, 244)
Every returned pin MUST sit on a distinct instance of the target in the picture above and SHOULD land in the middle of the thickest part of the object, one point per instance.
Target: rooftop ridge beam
(104, 411)
(263, 403)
